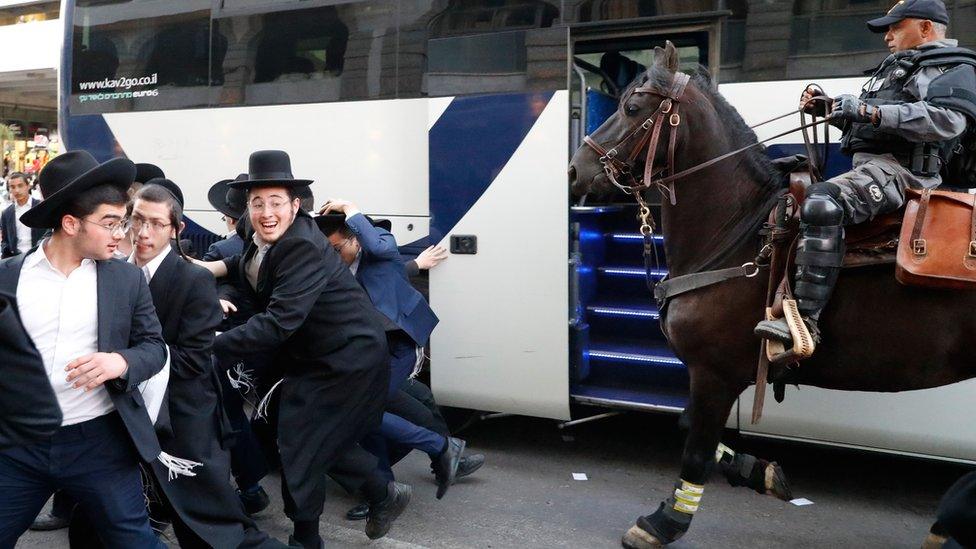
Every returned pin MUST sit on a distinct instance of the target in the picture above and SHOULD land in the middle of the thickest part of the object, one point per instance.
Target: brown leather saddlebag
(937, 248)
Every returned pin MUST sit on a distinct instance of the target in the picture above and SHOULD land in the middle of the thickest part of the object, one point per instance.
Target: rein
(649, 130)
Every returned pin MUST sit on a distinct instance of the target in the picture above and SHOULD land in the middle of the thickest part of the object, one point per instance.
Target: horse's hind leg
(765, 477)
(711, 399)
(740, 469)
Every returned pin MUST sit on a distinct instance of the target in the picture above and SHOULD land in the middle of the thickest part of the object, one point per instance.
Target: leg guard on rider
(819, 257)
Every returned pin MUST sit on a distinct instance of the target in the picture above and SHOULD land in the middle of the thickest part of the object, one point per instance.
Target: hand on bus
(337, 205)
(431, 257)
(819, 107)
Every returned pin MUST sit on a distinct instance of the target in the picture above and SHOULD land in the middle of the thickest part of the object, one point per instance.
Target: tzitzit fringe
(178, 466)
(687, 497)
(418, 364)
(262, 411)
(244, 379)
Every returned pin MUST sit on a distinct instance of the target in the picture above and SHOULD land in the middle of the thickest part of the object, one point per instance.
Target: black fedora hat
(145, 172)
(173, 188)
(70, 174)
(227, 200)
(269, 169)
(332, 222)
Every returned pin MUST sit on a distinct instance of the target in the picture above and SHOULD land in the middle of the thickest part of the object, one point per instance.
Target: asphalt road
(526, 496)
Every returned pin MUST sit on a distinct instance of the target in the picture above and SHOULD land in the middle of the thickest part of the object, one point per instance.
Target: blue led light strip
(635, 237)
(634, 357)
(631, 271)
(618, 311)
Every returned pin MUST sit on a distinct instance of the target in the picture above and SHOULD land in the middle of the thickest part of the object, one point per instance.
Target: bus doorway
(618, 355)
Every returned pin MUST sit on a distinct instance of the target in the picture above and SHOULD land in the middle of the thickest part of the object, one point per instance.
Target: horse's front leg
(712, 397)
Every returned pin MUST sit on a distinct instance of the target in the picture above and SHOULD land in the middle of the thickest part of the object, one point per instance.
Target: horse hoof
(933, 541)
(637, 538)
(776, 484)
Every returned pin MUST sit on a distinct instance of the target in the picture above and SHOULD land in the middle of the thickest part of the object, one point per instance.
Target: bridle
(621, 174)
(619, 171)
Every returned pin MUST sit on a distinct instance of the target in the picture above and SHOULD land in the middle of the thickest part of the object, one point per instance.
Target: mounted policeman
(912, 124)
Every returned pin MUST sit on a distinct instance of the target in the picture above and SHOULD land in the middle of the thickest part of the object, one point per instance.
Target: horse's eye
(631, 108)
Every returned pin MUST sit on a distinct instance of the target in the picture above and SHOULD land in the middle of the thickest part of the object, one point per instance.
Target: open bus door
(618, 356)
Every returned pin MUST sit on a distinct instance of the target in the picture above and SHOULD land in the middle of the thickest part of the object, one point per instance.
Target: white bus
(455, 120)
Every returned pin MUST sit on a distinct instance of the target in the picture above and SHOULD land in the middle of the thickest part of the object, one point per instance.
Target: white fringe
(262, 410)
(244, 379)
(178, 466)
(418, 365)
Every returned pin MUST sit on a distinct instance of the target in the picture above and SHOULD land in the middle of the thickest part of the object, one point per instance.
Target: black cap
(933, 10)
(173, 188)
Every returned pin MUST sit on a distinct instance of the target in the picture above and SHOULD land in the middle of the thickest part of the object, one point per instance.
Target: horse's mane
(744, 224)
(755, 160)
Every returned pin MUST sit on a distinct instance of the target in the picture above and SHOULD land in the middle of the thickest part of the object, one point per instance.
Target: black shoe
(254, 499)
(469, 464)
(446, 465)
(48, 522)
(776, 330)
(381, 516)
(359, 512)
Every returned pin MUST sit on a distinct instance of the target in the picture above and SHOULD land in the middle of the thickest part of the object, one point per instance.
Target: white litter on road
(800, 502)
(579, 476)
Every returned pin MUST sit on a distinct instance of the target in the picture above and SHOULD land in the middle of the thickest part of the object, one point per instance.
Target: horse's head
(617, 149)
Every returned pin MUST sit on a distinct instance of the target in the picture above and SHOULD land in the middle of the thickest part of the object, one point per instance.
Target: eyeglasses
(271, 206)
(138, 224)
(121, 227)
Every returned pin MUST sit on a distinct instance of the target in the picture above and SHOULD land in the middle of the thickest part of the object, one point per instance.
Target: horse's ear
(666, 57)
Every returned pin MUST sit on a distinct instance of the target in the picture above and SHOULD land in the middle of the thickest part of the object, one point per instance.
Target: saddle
(932, 242)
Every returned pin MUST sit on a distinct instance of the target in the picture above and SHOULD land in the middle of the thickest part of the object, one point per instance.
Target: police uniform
(901, 131)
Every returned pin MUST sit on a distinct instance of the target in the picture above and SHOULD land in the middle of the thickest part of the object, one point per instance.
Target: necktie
(145, 271)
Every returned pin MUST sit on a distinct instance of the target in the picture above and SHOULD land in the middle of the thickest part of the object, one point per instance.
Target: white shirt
(149, 269)
(60, 313)
(23, 231)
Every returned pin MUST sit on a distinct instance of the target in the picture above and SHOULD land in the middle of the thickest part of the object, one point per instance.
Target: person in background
(17, 237)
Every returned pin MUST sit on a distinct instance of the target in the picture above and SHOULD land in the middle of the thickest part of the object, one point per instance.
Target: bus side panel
(932, 422)
(502, 343)
(371, 152)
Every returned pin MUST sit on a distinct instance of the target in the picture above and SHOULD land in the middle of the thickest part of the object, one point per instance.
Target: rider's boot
(819, 256)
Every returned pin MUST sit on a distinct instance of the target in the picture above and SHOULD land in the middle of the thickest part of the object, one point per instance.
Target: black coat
(186, 304)
(29, 410)
(331, 352)
(127, 325)
(8, 225)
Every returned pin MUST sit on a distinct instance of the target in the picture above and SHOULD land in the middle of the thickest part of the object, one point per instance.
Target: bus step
(630, 272)
(659, 399)
(616, 311)
(659, 356)
(635, 238)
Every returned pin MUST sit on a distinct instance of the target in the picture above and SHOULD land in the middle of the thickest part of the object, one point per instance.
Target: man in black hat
(329, 343)
(94, 324)
(231, 203)
(902, 131)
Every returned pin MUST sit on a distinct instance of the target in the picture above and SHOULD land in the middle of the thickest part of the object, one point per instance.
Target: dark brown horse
(878, 335)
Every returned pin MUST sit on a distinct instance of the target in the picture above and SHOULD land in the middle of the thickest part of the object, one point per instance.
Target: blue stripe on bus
(469, 145)
(90, 132)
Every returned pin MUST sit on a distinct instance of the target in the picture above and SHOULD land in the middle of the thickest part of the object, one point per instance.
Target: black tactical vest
(924, 159)
(864, 137)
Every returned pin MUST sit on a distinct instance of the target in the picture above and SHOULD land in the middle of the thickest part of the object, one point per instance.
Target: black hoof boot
(657, 530)
(765, 477)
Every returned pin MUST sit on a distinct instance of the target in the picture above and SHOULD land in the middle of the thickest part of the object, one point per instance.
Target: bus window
(480, 46)
(287, 52)
(147, 56)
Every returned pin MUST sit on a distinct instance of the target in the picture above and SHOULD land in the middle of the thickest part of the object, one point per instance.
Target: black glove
(849, 107)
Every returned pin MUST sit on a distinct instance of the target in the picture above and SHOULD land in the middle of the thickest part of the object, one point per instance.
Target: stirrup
(804, 342)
